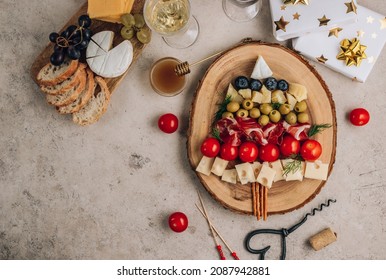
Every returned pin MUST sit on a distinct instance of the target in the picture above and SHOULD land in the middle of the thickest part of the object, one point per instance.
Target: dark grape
(87, 33)
(65, 34)
(58, 48)
(82, 45)
(53, 36)
(84, 21)
(73, 53)
(57, 58)
(75, 40)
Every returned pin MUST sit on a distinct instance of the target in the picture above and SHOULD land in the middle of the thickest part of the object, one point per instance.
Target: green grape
(144, 36)
(127, 32)
(128, 20)
(139, 21)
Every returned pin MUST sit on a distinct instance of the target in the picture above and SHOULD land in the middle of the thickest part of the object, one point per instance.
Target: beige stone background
(105, 191)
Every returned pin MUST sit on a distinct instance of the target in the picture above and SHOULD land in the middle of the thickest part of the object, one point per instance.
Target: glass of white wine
(173, 20)
(241, 10)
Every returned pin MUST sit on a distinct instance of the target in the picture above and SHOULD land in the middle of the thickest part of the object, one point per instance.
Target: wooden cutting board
(96, 26)
(284, 196)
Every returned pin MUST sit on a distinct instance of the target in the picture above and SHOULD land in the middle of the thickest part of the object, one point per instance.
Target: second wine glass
(173, 20)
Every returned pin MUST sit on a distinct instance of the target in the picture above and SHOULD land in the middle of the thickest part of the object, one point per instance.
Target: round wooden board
(284, 196)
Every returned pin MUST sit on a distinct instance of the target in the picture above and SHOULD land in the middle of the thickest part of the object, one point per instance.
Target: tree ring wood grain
(284, 196)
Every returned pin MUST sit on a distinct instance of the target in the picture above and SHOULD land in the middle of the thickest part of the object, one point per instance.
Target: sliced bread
(96, 106)
(66, 84)
(83, 98)
(51, 75)
(70, 95)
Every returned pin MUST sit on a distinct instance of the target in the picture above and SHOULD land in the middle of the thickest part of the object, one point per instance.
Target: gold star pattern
(322, 59)
(370, 19)
(282, 7)
(374, 35)
(355, 79)
(323, 21)
(360, 33)
(304, 2)
(287, 2)
(351, 7)
(383, 23)
(352, 52)
(335, 32)
(296, 16)
(281, 24)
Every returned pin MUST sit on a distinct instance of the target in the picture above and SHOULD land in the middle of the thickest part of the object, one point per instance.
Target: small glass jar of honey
(163, 78)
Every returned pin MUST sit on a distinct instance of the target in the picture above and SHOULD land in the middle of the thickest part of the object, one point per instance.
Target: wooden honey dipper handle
(184, 68)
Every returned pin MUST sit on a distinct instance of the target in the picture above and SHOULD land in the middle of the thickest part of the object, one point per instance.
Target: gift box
(351, 49)
(294, 18)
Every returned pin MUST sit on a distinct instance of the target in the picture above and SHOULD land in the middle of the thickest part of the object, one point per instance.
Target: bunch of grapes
(71, 41)
(135, 24)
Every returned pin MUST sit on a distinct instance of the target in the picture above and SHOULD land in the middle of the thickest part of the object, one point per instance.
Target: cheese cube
(205, 165)
(316, 170)
(298, 91)
(257, 97)
(219, 166)
(256, 166)
(103, 8)
(234, 95)
(296, 176)
(266, 95)
(266, 176)
(291, 101)
(246, 93)
(245, 173)
(276, 165)
(230, 176)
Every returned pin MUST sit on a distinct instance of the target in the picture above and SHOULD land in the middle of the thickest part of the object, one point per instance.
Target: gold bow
(295, 2)
(352, 52)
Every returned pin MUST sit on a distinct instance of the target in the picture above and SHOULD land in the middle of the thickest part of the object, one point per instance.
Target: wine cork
(322, 239)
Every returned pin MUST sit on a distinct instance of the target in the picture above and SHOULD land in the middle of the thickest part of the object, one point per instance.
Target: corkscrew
(282, 232)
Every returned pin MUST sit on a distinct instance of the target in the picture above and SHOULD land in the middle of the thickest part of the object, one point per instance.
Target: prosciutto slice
(298, 131)
(252, 130)
(273, 132)
(230, 131)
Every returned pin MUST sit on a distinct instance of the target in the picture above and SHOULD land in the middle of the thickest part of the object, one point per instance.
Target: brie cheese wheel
(266, 176)
(261, 69)
(230, 176)
(316, 170)
(276, 165)
(105, 61)
(205, 165)
(245, 173)
(294, 176)
(219, 166)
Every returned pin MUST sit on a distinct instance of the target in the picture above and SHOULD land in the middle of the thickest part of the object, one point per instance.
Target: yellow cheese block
(109, 10)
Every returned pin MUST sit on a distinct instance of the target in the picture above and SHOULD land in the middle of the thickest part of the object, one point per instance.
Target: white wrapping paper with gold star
(294, 18)
(350, 49)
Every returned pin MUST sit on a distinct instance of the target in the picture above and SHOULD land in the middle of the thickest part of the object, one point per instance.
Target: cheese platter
(89, 57)
(305, 93)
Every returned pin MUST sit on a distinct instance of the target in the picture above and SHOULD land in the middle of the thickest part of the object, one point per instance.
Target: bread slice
(66, 84)
(83, 98)
(96, 106)
(51, 75)
(70, 95)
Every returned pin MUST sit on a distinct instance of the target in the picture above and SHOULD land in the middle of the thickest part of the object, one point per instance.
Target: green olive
(227, 115)
(233, 107)
(247, 104)
(275, 116)
(254, 113)
(263, 120)
(291, 118)
(300, 106)
(303, 118)
(265, 108)
(284, 109)
(242, 113)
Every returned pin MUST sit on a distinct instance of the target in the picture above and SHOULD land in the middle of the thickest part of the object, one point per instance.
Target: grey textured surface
(105, 191)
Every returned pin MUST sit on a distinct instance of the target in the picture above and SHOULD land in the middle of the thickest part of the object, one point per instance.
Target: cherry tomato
(269, 152)
(210, 147)
(178, 221)
(359, 117)
(311, 150)
(168, 123)
(248, 152)
(290, 146)
(229, 152)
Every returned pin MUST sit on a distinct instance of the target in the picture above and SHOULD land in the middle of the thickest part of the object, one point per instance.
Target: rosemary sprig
(216, 134)
(222, 109)
(276, 106)
(317, 128)
(292, 166)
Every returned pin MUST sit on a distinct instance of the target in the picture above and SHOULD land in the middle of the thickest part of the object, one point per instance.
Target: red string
(222, 256)
(234, 255)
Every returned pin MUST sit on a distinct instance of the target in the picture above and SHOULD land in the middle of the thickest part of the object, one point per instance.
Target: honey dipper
(184, 67)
